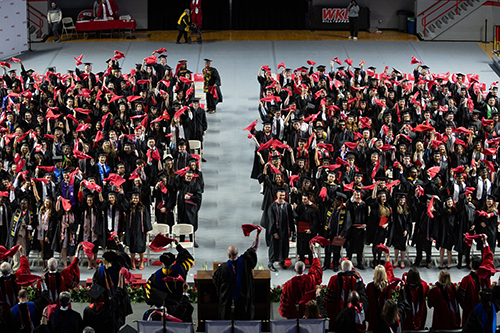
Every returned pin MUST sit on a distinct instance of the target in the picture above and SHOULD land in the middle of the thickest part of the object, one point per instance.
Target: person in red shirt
(300, 287)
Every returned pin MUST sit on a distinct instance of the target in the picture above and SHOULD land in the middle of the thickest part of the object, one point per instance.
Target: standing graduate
(199, 123)
(21, 229)
(234, 282)
(338, 224)
(189, 201)
(137, 227)
(279, 229)
(165, 201)
(91, 220)
(308, 224)
(211, 86)
(400, 229)
(112, 209)
(65, 237)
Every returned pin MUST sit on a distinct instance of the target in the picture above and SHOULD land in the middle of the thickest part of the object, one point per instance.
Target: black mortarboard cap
(128, 329)
(162, 56)
(110, 256)
(424, 67)
(207, 60)
(340, 195)
(167, 258)
(490, 197)
(96, 291)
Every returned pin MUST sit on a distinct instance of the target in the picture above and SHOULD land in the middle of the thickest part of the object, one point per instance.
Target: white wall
(383, 10)
(13, 28)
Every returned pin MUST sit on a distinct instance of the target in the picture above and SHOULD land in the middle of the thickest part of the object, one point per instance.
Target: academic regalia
(112, 219)
(5, 216)
(417, 314)
(296, 289)
(167, 201)
(482, 319)
(105, 317)
(337, 294)
(211, 77)
(137, 223)
(338, 223)
(91, 221)
(355, 241)
(471, 284)
(446, 314)
(377, 298)
(177, 311)
(400, 224)
(445, 229)
(490, 230)
(181, 267)
(234, 282)
(466, 217)
(65, 237)
(8, 294)
(280, 222)
(350, 320)
(65, 280)
(66, 321)
(261, 138)
(26, 316)
(187, 210)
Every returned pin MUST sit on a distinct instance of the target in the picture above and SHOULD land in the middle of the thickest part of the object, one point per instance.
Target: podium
(208, 302)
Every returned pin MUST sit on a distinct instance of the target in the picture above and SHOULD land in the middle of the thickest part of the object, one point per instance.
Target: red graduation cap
(88, 249)
(381, 247)
(127, 275)
(159, 51)
(115, 179)
(281, 64)
(320, 240)
(348, 61)
(82, 127)
(248, 228)
(66, 204)
(469, 238)
(415, 61)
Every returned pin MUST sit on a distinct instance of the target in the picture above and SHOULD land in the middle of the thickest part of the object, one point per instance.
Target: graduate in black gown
(211, 86)
(234, 282)
(137, 227)
(188, 200)
(103, 314)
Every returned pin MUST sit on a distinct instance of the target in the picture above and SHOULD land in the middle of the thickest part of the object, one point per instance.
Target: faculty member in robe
(234, 282)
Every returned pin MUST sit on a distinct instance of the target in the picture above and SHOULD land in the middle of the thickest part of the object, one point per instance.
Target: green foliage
(193, 294)
(276, 293)
(136, 294)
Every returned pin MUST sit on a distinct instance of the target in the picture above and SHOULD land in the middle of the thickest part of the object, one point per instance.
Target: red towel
(248, 228)
(469, 238)
(320, 240)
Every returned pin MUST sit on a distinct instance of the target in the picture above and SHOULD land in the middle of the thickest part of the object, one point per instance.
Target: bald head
(232, 252)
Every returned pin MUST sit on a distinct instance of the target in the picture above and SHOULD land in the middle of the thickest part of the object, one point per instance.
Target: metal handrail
(42, 14)
(40, 23)
(454, 7)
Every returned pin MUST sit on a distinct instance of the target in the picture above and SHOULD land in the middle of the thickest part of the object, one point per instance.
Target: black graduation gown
(446, 230)
(137, 223)
(188, 210)
(466, 217)
(39, 304)
(224, 285)
(169, 201)
(106, 319)
(116, 215)
(28, 220)
(199, 124)
(356, 237)
(490, 230)
(257, 166)
(66, 321)
(400, 224)
(4, 224)
(211, 77)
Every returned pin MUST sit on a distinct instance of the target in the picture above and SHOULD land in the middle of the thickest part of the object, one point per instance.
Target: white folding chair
(67, 25)
(149, 239)
(184, 230)
(195, 146)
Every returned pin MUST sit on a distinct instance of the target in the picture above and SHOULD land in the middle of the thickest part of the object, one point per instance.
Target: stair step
(439, 24)
(464, 6)
(451, 15)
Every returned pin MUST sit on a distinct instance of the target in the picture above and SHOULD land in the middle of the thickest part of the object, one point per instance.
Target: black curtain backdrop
(247, 14)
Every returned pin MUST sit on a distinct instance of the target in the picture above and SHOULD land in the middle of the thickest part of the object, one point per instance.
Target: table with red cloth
(99, 25)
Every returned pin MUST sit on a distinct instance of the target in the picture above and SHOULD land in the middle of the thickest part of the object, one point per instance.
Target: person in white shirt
(54, 17)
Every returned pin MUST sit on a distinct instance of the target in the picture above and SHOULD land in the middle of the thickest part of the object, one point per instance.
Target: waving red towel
(381, 247)
(248, 228)
(88, 249)
(469, 238)
(320, 240)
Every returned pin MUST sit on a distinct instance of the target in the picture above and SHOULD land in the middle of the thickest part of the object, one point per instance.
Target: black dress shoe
(203, 160)
(272, 268)
(335, 267)
(325, 267)
(360, 266)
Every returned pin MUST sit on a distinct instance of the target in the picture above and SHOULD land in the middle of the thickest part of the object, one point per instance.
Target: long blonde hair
(380, 278)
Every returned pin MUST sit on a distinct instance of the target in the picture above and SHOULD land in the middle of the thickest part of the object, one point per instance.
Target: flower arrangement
(136, 294)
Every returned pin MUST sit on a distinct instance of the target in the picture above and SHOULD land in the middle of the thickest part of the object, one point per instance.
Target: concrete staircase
(442, 15)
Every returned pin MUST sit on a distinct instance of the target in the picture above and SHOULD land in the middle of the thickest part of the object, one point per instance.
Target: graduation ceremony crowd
(353, 158)
(89, 161)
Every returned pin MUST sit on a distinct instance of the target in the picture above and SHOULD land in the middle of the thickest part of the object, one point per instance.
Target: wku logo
(335, 15)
